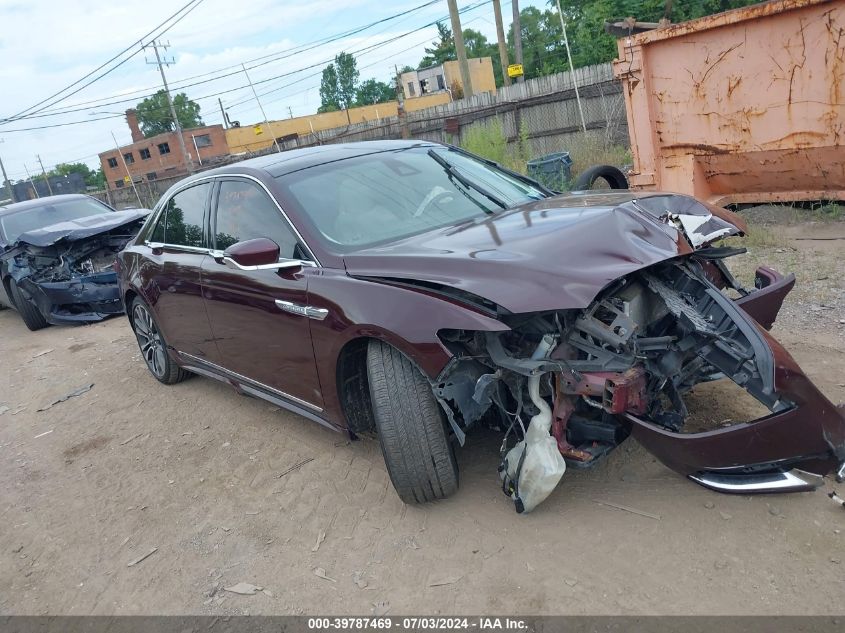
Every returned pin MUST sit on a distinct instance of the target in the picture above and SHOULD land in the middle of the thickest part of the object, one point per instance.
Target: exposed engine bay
(578, 380)
(64, 261)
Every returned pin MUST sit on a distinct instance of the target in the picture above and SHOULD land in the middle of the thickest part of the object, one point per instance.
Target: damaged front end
(587, 379)
(72, 279)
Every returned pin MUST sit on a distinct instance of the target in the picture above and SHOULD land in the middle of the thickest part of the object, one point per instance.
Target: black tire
(411, 427)
(31, 315)
(613, 176)
(152, 345)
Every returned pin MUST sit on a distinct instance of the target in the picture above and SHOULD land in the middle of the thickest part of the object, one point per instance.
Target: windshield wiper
(531, 182)
(453, 172)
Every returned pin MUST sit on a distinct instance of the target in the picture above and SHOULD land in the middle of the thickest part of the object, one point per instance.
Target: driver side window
(246, 212)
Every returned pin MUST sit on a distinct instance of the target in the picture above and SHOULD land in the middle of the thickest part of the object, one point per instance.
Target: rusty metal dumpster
(742, 106)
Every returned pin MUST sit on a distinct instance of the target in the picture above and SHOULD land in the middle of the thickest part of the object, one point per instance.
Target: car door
(178, 247)
(258, 317)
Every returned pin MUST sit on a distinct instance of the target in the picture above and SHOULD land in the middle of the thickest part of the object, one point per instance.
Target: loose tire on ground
(613, 176)
(153, 346)
(411, 427)
(31, 315)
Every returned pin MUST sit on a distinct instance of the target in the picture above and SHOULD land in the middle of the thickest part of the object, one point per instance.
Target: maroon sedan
(412, 291)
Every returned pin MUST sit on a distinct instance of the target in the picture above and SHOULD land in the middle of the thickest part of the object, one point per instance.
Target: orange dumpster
(742, 106)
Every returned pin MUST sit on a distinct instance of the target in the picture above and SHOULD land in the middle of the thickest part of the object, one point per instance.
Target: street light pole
(261, 107)
(571, 69)
(128, 175)
(47, 180)
(29, 177)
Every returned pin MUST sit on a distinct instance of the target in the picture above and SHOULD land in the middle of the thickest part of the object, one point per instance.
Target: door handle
(311, 312)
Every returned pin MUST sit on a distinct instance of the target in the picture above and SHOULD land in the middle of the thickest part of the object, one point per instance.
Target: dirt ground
(229, 489)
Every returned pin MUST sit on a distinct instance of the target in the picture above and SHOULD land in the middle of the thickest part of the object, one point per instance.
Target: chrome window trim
(162, 204)
(159, 208)
(252, 382)
(278, 206)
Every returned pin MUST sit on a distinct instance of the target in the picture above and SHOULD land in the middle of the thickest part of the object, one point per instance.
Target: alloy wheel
(149, 340)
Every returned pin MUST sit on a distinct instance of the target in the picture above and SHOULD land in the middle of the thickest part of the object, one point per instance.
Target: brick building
(160, 156)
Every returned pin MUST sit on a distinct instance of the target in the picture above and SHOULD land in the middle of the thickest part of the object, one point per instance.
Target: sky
(46, 45)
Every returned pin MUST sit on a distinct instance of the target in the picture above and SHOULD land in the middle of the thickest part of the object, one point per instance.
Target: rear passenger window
(182, 220)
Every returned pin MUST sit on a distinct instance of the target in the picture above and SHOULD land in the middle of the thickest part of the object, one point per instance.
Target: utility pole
(290, 112)
(128, 175)
(261, 107)
(223, 112)
(47, 180)
(503, 46)
(517, 38)
(571, 68)
(458, 35)
(189, 164)
(29, 177)
(9, 189)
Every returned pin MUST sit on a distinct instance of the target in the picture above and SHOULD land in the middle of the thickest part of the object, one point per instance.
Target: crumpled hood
(554, 254)
(74, 230)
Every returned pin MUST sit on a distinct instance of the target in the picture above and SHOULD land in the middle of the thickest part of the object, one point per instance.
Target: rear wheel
(153, 347)
(419, 456)
(31, 315)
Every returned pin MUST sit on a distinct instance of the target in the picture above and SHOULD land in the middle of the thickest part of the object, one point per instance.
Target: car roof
(40, 202)
(281, 163)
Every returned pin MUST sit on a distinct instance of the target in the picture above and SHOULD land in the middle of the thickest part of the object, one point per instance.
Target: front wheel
(411, 429)
(31, 315)
(153, 347)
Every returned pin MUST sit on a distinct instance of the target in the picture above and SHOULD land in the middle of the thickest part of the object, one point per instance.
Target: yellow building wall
(426, 101)
(254, 137)
(480, 73)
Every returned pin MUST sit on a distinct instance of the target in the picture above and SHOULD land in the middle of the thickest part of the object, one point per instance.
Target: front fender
(407, 319)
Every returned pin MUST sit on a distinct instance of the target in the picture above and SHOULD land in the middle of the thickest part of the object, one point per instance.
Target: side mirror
(257, 252)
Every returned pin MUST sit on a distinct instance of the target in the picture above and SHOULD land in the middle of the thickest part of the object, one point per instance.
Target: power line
(185, 10)
(179, 85)
(364, 50)
(361, 51)
(371, 64)
(66, 123)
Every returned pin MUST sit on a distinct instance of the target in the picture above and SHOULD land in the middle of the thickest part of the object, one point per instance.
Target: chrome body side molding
(250, 386)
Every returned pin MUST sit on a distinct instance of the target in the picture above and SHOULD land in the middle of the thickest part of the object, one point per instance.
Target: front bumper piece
(86, 299)
(788, 481)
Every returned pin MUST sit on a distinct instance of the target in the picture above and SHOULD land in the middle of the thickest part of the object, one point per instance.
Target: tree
(338, 84)
(329, 98)
(347, 79)
(373, 91)
(154, 114)
(585, 21)
(442, 49)
(93, 178)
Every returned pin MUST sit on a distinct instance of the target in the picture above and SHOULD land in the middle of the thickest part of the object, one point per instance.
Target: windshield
(361, 201)
(16, 224)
